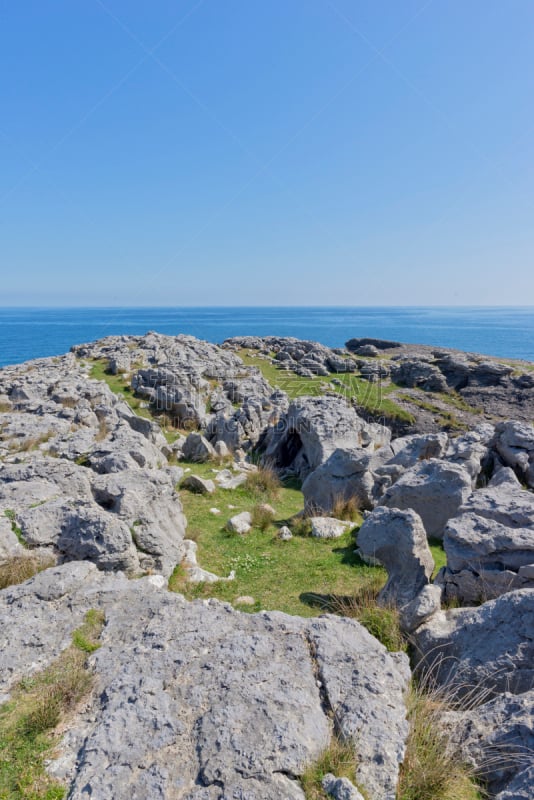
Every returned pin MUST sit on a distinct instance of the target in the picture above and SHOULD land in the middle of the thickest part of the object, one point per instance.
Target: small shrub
(262, 517)
(338, 758)
(263, 482)
(300, 525)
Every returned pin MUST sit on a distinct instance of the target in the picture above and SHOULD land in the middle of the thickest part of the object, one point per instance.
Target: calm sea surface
(505, 332)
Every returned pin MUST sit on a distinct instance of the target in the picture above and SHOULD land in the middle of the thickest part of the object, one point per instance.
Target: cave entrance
(289, 449)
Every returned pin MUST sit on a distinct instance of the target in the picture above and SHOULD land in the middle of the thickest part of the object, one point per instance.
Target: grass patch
(372, 397)
(17, 530)
(438, 554)
(338, 758)
(28, 721)
(278, 575)
(432, 769)
(381, 621)
(264, 482)
(85, 638)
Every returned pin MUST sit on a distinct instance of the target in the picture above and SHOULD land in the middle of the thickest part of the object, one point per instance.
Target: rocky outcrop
(514, 444)
(313, 428)
(397, 539)
(497, 738)
(434, 489)
(209, 705)
(490, 647)
(490, 543)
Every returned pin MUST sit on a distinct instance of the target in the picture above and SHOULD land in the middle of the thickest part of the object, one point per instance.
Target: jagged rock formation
(215, 688)
(211, 703)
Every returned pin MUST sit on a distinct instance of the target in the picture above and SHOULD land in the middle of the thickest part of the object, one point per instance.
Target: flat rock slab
(328, 528)
(196, 700)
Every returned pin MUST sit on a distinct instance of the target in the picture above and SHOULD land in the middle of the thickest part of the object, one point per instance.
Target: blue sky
(285, 152)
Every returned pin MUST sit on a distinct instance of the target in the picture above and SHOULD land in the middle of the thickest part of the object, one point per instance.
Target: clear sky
(277, 152)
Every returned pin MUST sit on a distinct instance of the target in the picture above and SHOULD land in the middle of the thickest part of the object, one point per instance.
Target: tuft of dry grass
(20, 568)
(382, 621)
(262, 517)
(263, 482)
(433, 768)
(347, 509)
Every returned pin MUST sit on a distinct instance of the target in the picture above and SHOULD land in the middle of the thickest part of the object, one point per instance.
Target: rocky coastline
(194, 699)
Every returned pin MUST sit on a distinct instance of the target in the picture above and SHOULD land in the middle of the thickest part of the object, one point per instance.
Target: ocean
(27, 333)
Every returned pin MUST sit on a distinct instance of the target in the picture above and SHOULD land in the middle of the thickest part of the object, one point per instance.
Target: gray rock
(490, 543)
(197, 448)
(213, 687)
(340, 788)
(398, 540)
(490, 647)
(357, 694)
(497, 738)
(328, 528)
(313, 428)
(514, 442)
(434, 489)
(199, 485)
(284, 534)
(424, 605)
(240, 523)
(148, 503)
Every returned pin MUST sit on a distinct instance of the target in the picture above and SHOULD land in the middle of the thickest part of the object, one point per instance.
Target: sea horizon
(28, 332)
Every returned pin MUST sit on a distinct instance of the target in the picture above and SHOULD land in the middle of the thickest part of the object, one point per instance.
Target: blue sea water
(27, 333)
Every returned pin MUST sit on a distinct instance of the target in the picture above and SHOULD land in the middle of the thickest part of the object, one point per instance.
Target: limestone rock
(328, 528)
(434, 489)
(340, 788)
(199, 485)
(197, 448)
(489, 647)
(398, 540)
(240, 523)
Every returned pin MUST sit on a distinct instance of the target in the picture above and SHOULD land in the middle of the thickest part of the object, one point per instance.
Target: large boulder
(514, 443)
(434, 489)
(490, 543)
(313, 428)
(397, 539)
(490, 647)
(497, 738)
(197, 448)
(211, 686)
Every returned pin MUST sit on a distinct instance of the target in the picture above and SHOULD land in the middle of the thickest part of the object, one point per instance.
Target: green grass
(372, 397)
(10, 514)
(294, 576)
(438, 554)
(338, 759)
(28, 721)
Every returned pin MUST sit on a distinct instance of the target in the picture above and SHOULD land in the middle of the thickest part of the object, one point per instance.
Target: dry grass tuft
(433, 768)
(382, 621)
(20, 568)
(264, 482)
(347, 509)
(262, 517)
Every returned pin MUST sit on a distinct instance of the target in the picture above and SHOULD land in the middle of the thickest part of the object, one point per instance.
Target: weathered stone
(490, 647)
(240, 523)
(340, 788)
(328, 528)
(199, 485)
(398, 540)
(434, 489)
(197, 448)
